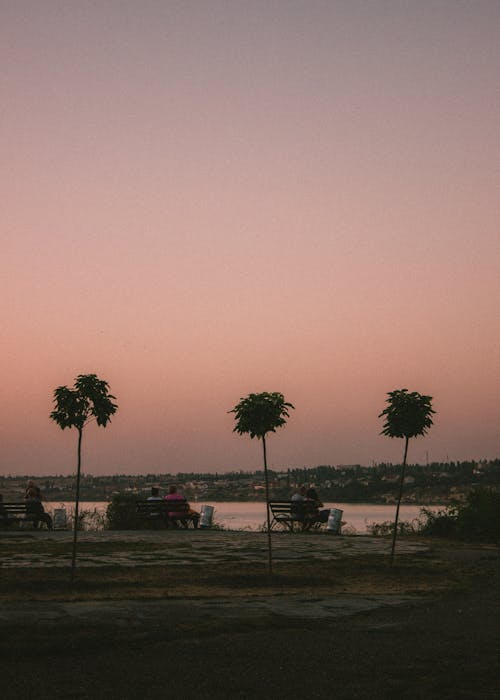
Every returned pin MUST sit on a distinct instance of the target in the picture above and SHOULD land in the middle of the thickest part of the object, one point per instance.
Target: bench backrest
(291, 508)
(15, 508)
(22, 511)
(149, 508)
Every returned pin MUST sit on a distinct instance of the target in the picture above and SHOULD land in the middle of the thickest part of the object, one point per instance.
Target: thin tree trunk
(394, 534)
(266, 479)
(77, 503)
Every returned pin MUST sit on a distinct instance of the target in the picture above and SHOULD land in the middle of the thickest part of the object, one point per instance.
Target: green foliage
(440, 523)
(480, 516)
(89, 399)
(477, 518)
(407, 415)
(89, 519)
(121, 513)
(386, 528)
(74, 408)
(259, 414)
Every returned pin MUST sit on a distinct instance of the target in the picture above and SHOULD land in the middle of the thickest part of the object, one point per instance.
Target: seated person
(299, 510)
(33, 498)
(173, 495)
(4, 516)
(323, 513)
(156, 514)
(299, 495)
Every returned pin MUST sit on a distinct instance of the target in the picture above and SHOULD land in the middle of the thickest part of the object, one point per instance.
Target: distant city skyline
(204, 200)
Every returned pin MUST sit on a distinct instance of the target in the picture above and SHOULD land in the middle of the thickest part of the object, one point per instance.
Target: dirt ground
(343, 626)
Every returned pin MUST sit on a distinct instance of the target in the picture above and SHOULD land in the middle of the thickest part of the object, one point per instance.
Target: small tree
(259, 414)
(407, 415)
(74, 408)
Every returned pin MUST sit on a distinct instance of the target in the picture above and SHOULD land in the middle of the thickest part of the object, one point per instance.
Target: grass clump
(478, 517)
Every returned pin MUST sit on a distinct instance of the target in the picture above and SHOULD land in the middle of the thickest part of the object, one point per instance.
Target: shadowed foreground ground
(335, 616)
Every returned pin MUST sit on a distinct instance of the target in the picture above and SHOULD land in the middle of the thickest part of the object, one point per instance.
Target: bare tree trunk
(77, 503)
(266, 478)
(401, 482)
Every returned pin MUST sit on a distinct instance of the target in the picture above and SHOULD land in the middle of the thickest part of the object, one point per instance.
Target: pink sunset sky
(207, 199)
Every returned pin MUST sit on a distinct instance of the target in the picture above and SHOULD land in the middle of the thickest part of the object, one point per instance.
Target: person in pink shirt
(173, 495)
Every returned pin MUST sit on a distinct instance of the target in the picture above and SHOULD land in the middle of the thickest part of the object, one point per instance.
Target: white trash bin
(206, 516)
(60, 520)
(334, 523)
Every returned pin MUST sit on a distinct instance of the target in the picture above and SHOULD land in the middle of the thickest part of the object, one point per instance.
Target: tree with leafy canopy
(407, 415)
(88, 400)
(259, 414)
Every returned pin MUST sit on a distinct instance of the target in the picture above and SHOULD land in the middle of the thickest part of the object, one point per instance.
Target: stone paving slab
(208, 548)
(191, 547)
(131, 612)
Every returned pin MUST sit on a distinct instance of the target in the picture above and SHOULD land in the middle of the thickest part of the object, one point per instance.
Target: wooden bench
(22, 513)
(294, 515)
(167, 513)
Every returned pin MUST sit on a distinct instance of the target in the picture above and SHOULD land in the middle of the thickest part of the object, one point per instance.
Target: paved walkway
(138, 613)
(28, 548)
(153, 547)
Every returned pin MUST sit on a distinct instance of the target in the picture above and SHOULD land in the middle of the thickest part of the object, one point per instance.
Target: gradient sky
(206, 199)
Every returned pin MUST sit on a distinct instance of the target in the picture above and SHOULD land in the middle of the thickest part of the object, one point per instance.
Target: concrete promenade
(208, 549)
(181, 547)
(196, 614)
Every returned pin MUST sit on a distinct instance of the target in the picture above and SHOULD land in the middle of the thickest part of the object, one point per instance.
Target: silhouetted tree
(407, 415)
(259, 414)
(88, 400)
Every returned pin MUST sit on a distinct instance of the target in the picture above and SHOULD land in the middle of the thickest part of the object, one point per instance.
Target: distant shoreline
(83, 499)
(434, 484)
(439, 500)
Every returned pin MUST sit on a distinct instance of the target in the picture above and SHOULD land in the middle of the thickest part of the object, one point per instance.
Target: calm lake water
(252, 516)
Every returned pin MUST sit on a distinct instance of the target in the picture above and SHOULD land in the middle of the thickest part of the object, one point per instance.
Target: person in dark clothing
(34, 506)
(322, 514)
(303, 509)
(4, 516)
